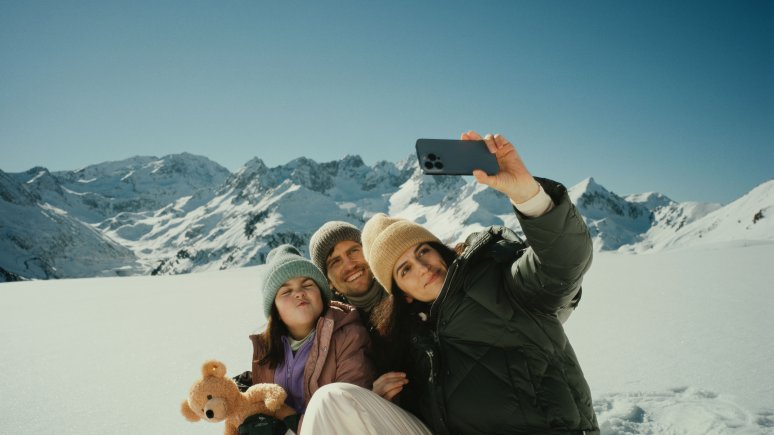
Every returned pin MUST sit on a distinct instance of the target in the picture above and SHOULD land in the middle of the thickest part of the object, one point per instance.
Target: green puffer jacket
(493, 357)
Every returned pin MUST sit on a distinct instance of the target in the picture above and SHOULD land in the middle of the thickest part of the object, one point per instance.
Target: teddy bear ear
(213, 368)
(188, 413)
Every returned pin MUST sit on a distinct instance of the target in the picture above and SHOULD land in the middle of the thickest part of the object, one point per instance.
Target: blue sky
(668, 96)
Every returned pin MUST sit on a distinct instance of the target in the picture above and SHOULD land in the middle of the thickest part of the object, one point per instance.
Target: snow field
(675, 342)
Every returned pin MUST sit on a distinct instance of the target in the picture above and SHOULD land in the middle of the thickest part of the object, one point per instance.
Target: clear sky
(668, 96)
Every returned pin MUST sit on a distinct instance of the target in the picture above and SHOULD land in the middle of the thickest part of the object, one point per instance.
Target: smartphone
(455, 157)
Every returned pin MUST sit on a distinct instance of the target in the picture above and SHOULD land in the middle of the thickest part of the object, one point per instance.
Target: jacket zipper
(430, 355)
(444, 293)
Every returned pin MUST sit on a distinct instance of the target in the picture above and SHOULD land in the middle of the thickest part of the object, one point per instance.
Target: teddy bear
(216, 398)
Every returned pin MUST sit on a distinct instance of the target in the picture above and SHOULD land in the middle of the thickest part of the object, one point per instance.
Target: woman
(475, 341)
(309, 341)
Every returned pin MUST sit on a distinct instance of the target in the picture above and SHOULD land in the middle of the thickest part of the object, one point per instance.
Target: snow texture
(677, 342)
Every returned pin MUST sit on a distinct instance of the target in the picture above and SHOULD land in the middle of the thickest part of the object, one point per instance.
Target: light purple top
(289, 374)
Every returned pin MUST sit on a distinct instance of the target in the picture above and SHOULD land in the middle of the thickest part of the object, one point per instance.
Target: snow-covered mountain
(40, 240)
(747, 220)
(257, 209)
(137, 184)
(613, 221)
(184, 213)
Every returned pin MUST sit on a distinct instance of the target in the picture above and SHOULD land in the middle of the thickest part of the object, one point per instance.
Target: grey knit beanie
(285, 263)
(325, 239)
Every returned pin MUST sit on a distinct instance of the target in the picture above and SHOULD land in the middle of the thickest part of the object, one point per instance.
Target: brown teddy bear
(216, 398)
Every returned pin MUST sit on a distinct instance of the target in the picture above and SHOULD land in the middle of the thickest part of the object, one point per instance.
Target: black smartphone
(455, 157)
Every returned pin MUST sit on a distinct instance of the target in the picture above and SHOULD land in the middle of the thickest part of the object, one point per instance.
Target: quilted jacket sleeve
(548, 276)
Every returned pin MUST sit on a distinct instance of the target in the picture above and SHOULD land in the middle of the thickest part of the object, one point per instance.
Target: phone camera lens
(432, 157)
(438, 165)
(429, 165)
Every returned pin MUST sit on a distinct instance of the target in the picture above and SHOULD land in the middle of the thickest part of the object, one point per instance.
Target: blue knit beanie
(285, 263)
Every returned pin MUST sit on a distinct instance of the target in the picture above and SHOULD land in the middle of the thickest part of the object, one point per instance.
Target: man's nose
(348, 263)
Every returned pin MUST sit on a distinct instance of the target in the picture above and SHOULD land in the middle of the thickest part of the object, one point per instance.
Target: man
(336, 249)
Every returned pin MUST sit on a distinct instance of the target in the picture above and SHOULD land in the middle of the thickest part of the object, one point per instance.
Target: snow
(683, 335)
(39, 174)
(154, 208)
(154, 166)
(747, 218)
(127, 175)
(671, 342)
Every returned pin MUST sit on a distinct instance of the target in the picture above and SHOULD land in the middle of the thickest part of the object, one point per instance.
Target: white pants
(341, 408)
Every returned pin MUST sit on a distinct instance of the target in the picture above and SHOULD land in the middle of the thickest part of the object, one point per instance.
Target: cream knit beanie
(385, 239)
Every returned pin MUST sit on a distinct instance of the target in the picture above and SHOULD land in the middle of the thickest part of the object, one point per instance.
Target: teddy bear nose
(210, 414)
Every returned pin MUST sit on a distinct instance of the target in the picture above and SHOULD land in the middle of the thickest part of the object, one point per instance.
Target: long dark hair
(275, 330)
(272, 336)
(395, 320)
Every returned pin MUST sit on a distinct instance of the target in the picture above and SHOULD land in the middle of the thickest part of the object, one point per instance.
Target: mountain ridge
(183, 213)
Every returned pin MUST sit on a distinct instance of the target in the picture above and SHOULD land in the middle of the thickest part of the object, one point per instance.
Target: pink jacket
(338, 353)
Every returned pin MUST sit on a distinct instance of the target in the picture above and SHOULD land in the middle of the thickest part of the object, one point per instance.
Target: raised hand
(514, 179)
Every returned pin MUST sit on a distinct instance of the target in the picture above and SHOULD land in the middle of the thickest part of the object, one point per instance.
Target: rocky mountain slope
(183, 213)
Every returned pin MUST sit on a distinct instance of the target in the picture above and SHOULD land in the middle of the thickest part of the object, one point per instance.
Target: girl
(309, 341)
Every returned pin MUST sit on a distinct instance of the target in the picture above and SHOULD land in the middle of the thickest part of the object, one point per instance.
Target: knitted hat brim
(325, 239)
(390, 244)
(287, 270)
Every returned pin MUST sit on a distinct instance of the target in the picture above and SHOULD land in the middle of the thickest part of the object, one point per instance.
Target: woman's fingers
(490, 143)
(389, 381)
(482, 177)
(390, 376)
(511, 167)
(472, 135)
(390, 384)
(500, 141)
(504, 146)
(513, 179)
(390, 394)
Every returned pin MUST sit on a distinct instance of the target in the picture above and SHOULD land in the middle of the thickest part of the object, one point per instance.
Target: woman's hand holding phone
(514, 180)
